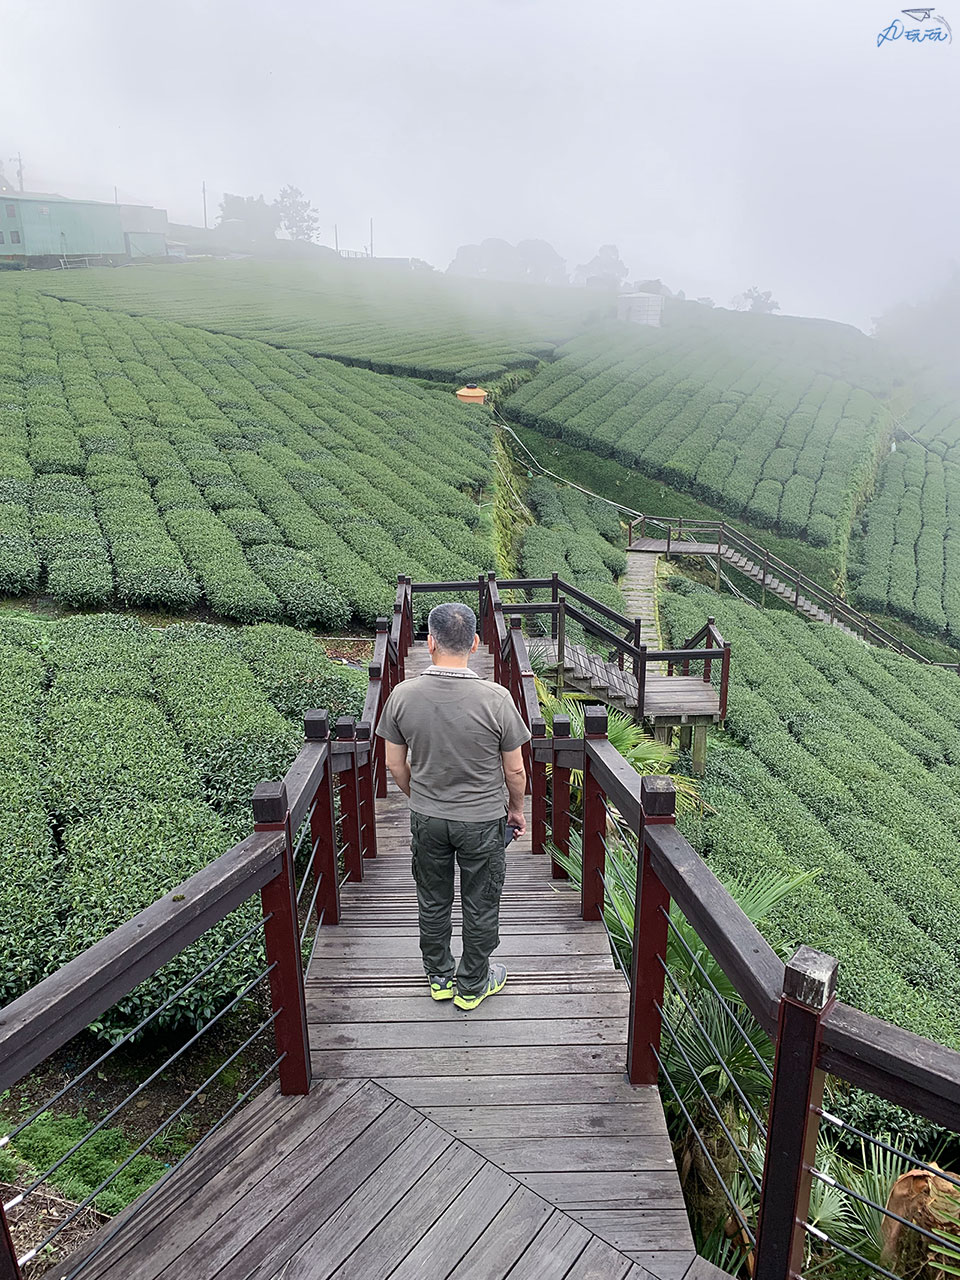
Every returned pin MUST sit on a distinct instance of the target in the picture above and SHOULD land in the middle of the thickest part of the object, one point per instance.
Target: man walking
(453, 745)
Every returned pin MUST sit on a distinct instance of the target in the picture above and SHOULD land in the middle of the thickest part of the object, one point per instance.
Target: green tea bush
(297, 675)
(844, 760)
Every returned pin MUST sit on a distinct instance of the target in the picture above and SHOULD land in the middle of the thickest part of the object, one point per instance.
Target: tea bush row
(845, 760)
(908, 559)
(129, 757)
(754, 429)
(162, 466)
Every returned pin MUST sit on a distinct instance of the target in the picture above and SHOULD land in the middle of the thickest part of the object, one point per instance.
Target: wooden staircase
(789, 592)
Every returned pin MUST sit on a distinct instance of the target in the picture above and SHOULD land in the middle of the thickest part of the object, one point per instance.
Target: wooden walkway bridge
(405, 1139)
(435, 1143)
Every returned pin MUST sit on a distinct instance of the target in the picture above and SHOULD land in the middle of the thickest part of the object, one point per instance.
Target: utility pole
(19, 159)
(204, 190)
(116, 198)
(371, 237)
(336, 239)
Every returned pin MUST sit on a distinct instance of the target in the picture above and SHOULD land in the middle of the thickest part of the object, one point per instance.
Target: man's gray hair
(453, 627)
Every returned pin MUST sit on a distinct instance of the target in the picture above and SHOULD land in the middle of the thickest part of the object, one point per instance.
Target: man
(453, 745)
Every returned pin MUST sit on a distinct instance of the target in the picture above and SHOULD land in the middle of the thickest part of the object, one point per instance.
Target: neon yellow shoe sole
(441, 988)
(496, 982)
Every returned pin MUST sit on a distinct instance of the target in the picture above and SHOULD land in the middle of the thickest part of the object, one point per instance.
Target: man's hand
(514, 775)
(398, 765)
(517, 820)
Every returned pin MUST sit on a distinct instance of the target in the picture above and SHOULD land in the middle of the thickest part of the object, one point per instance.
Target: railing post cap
(345, 727)
(516, 622)
(270, 802)
(491, 575)
(561, 726)
(382, 624)
(400, 579)
(658, 795)
(595, 722)
(538, 727)
(316, 725)
(363, 730)
(810, 978)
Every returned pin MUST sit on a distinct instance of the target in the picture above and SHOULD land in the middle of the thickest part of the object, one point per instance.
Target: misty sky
(717, 145)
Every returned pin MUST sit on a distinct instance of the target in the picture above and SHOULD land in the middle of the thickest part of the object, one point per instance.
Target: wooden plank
(448, 1239)
(266, 1112)
(361, 1214)
(361, 967)
(630, 1232)
(291, 1224)
(599, 1262)
(413, 1005)
(161, 1230)
(480, 1090)
(553, 1251)
(403, 1226)
(253, 1203)
(572, 1060)
(664, 1264)
(553, 1120)
(462, 1033)
(508, 1236)
(650, 1189)
(528, 1155)
(519, 985)
(701, 1269)
(398, 946)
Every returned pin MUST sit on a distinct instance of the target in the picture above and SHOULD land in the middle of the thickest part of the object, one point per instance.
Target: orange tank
(472, 394)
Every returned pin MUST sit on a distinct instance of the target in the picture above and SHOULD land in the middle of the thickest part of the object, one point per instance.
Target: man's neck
(450, 660)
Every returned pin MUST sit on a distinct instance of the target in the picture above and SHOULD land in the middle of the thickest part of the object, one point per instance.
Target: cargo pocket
(496, 874)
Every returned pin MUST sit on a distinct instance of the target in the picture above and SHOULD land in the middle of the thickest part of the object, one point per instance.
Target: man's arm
(515, 776)
(399, 766)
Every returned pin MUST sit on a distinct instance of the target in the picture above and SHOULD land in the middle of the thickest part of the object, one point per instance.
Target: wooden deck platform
(668, 700)
(434, 1143)
(659, 547)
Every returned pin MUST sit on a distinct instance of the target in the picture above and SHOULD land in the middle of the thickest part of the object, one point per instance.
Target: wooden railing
(719, 533)
(327, 795)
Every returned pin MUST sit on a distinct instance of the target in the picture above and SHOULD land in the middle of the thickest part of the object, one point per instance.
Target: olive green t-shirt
(455, 727)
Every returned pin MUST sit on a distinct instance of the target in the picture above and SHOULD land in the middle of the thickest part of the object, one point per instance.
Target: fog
(719, 146)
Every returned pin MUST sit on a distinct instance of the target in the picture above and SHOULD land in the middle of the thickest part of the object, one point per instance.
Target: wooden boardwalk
(434, 1143)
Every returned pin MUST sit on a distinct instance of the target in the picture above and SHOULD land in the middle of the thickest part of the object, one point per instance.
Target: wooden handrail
(44, 1018)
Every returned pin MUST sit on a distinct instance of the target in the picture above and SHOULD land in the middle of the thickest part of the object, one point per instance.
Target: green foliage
(165, 467)
(842, 759)
(52, 1135)
(128, 758)
(728, 408)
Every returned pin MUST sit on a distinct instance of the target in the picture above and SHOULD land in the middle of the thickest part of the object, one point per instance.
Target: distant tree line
(291, 212)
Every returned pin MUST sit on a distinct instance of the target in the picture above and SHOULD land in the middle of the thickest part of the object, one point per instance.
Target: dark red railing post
(554, 599)
(397, 630)
(282, 933)
(560, 805)
(496, 642)
(658, 803)
(809, 986)
(323, 829)
(383, 674)
(348, 790)
(594, 821)
(408, 615)
(9, 1267)
(724, 679)
(708, 644)
(538, 787)
(368, 809)
(641, 673)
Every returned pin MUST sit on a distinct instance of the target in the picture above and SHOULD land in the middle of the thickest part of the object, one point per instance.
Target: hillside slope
(160, 466)
(845, 760)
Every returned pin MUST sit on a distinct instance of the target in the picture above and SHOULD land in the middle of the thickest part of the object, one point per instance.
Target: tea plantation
(128, 756)
(153, 465)
(758, 427)
(392, 321)
(845, 760)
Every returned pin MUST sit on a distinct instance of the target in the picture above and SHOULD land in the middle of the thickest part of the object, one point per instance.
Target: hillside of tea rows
(156, 465)
(843, 760)
(420, 324)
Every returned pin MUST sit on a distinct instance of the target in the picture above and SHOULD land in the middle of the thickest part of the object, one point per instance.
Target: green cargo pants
(478, 849)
